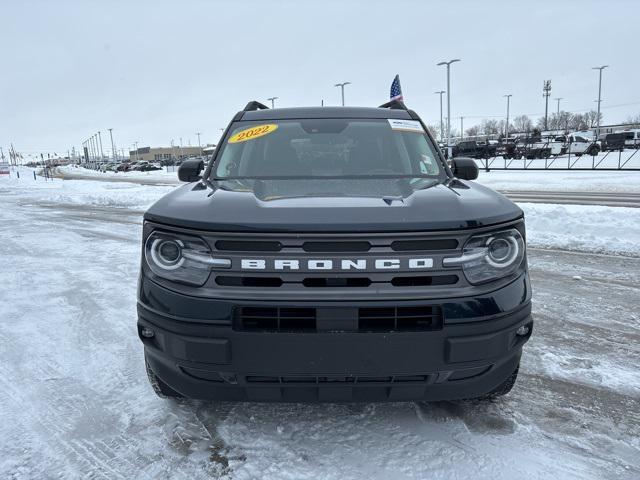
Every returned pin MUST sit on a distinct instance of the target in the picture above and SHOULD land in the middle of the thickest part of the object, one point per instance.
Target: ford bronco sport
(332, 254)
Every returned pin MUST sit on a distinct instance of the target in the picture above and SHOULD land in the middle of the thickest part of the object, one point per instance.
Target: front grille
(325, 266)
(336, 246)
(384, 319)
(341, 319)
(276, 319)
(423, 245)
(319, 282)
(424, 280)
(248, 246)
(230, 281)
(340, 379)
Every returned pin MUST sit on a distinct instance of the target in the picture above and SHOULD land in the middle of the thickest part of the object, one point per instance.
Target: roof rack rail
(394, 105)
(253, 105)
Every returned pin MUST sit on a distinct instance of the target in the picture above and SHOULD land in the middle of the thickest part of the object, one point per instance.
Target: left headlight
(181, 258)
(490, 256)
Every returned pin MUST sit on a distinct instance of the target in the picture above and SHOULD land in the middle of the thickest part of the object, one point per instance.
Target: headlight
(181, 258)
(490, 256)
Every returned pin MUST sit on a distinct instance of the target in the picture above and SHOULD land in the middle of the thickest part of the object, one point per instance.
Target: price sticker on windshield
(405, 125)
(253, 132)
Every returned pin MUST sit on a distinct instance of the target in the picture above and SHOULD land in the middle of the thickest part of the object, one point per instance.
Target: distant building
(157, 154)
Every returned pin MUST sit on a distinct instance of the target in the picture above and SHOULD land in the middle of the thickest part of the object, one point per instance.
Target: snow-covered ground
(166, 175)
(587, 228)
(561, 181)
(76, 403)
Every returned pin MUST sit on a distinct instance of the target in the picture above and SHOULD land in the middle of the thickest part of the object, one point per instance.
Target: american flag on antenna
(396, 91)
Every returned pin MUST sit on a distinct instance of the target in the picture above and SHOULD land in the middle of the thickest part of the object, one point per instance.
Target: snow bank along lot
(76, 403)
(561, 181)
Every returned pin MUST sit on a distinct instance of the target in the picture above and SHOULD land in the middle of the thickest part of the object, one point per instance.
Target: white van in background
(632, 138)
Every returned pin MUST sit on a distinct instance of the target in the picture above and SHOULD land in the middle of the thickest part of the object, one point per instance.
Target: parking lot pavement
(76, 402)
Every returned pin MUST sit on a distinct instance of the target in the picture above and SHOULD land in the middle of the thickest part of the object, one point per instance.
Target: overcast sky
(157, 71)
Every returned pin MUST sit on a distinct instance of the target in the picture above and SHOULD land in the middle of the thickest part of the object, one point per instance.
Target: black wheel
(502, 389)
(162, 389)
(593, 151)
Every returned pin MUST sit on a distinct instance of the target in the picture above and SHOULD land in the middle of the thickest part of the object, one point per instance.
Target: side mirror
(189, 170)
(465, 168)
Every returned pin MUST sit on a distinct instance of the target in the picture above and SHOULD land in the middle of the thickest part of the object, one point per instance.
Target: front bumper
(197, 351)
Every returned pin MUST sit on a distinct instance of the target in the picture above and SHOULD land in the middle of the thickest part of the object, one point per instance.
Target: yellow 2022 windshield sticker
(253, 132)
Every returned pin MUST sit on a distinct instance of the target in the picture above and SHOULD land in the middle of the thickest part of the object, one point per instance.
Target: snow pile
(583, 227)
(82, 192)
(161, 175)
(563, 181)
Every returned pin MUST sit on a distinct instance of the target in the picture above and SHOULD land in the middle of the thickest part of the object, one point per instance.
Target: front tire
(502, 389)
(160, 388)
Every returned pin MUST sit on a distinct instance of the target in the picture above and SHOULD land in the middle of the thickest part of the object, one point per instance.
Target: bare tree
(489, 127)
(633, 119)
(522, 123)
(578, 121)
(472, 131)
(591, 118)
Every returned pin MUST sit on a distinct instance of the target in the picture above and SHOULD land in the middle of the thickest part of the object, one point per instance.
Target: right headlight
(490, 256)
(181, 258)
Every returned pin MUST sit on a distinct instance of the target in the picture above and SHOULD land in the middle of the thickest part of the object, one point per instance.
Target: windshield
(327, 148)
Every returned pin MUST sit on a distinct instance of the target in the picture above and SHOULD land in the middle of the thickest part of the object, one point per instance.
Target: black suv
(331, 254)
(474, 149)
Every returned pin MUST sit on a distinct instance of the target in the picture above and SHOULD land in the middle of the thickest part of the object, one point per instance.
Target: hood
(452, 205)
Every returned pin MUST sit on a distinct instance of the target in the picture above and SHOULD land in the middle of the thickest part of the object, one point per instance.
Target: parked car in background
(507, 148)
(473, 149)
(146, 167)
(614, 141)
(632, 138)
(579, 145)
(108, 167)
(532, 148)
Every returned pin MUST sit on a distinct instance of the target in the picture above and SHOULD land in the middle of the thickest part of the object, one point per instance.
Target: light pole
(461, 127)
(135, 144)
(199, 144)
(441, 125)
(93, 150)
(599, 96)
(113, 146)
(546, 93)
(101, 152)
(558, 113)
(342, 85)
(273, 101)
(448, 64)
(506, 127)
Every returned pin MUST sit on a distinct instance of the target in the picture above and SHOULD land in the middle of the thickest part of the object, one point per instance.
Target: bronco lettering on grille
(343, 264)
